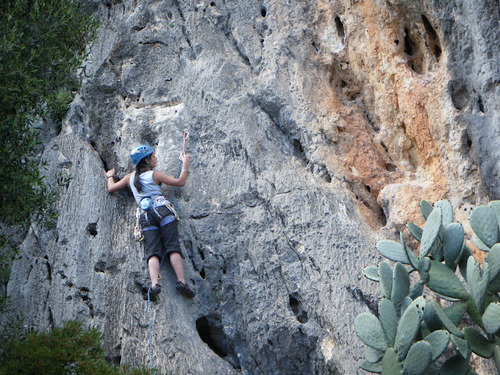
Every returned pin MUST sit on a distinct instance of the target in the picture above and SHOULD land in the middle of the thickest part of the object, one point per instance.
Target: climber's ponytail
(141, 167)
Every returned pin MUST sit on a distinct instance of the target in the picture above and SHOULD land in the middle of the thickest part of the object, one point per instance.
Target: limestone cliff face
(314, 124)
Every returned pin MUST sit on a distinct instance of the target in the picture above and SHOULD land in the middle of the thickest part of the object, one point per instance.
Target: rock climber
(158, 217)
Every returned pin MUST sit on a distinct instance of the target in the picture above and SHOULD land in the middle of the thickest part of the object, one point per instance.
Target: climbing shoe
(154, 291)
(184, 289)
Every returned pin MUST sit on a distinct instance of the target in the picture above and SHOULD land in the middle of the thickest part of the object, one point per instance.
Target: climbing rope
(150, 331)
(177, 194)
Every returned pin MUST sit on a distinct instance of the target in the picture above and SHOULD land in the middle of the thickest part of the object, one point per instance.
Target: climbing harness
(173, 209)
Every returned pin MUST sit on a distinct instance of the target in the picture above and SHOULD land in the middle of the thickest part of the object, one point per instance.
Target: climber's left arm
(118, 185)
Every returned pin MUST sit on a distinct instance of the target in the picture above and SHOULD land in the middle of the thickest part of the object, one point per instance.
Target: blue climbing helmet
(139, 153)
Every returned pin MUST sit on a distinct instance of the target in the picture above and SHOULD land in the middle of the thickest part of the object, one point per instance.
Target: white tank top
(149, 187)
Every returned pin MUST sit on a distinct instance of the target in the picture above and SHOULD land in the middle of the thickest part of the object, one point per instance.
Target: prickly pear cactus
(410, 333)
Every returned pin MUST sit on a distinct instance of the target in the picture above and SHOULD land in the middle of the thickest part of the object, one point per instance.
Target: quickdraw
(137, 230)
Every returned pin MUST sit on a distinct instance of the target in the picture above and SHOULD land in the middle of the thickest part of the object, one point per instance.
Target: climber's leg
(154, 269)
(178, 266)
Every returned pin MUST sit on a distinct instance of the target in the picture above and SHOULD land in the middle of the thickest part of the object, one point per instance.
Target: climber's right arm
(118, 185)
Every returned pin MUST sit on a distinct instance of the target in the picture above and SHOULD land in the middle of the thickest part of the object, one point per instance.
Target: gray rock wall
(277, 219)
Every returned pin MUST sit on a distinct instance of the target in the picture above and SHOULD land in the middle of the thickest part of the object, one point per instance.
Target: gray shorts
(161, 236)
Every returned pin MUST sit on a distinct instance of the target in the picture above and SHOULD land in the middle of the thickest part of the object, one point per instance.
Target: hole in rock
(49, 271)
(327, 177)
(298, 147)
(459, 94)
(415, 59)
(480, 104)
(92, 229)
(211, 332)
(383, 218)
(202, 273)
(297, 309)
(212, 4)
(263, 12)
(434, 43)
(51, 318)
(202, 254)
(340, 27)
(390, 167)
(100, 266)
(408, 43)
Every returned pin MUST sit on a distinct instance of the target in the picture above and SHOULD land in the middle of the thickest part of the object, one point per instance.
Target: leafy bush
(42, 45)
(69, 349)
(411, 335)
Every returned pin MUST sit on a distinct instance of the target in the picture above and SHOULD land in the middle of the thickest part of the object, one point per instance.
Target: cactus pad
(408, 327)
(453, 239)
(446, 210)
(385, 278)
(478, 280)
(400, 285)
(371, 272)
(388, 319)
(493, 260)
(371, 367)
(373, 355)
(439, 341)
(456, 312)
(392, 250)
(483, 221)
(495, 205)
(491, 317)
(412, 258)
(416, 290)
(442, 280)
(418, 359)
(426, 209)
(479, 244)
(478, 343)
(447, 323)
(390, 363)
(369, 330)
(431, 231)
(461, 345)
(415, 231)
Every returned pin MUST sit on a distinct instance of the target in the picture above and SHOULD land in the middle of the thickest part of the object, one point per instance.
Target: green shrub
(42, 44)
(70, 349)
(410, 334)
